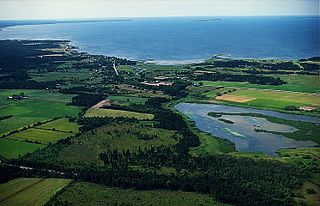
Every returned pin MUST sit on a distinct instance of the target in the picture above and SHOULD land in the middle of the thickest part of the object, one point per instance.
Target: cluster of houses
(17, 97)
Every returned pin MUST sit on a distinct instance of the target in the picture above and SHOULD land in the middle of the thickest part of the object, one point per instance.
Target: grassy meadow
(39, 135)
(13, 149)
(125, 68)
(211, 145)
(30, 191)
(94, 112)
(101, 195)
(276, 99)
(295, 83)
(127, 100)
(41, 105)
(62, 124)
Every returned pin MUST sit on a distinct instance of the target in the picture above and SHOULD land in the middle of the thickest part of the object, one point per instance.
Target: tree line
(253, 79)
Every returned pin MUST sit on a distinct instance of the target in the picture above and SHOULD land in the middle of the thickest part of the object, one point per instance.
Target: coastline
(143, 54)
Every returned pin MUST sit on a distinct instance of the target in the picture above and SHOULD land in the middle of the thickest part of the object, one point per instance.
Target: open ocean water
(185, 38)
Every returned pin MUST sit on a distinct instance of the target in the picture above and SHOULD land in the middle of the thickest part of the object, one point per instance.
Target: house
(307, 108)
(17, 97)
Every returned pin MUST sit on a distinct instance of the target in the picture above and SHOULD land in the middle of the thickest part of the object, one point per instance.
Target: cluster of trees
(302, 64)
(86, 90)
(310, 67)
(291, 108)
(255, 71)
(241, 181)
(253, 79)
(17, 57)
(29, 84)
(86, 100)
(90, 123)
(178, 88)
(230, 179)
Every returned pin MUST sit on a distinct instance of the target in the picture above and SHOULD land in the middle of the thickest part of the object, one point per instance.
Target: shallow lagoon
(242, 132)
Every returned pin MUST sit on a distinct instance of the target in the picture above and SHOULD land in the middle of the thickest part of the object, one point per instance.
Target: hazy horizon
(98, 9)
(146, 17)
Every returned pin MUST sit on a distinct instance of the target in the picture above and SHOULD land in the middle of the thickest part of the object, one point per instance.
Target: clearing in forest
(94, 112)
(234, 98)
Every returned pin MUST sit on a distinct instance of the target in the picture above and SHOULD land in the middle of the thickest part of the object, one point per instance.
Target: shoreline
(169, 62)
(183, 59)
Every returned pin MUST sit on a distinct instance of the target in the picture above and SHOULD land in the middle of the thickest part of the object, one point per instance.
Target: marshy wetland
(247, 128)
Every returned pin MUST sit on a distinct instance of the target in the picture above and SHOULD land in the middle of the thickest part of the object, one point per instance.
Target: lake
(185, 39)
(242, 132)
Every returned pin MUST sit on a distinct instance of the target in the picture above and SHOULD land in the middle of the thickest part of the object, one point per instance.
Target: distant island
(215, 19)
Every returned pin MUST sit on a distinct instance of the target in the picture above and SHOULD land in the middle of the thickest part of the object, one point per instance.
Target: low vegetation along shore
(81, 129)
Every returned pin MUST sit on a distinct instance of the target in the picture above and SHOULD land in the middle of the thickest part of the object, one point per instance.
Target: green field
(81, 193)
(211, 145)
(94, 112)
(41, 105)
(62, 124)
(295, 83)
(125, 68)
(29, 191)
(13, 149)
(277, 99)
(264, 98)
(87, 147)
(39, 135)
(127, 100)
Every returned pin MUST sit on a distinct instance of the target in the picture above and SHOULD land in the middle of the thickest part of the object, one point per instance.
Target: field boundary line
(47, 129)
(30, 126)
(42, 179)
(275, 90)
(31, 142)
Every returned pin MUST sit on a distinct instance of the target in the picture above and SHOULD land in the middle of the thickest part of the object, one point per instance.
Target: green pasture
(295, 83)
(211, 145)
(13, 149)
(126, 68)
(39, 135)
(12, 187)
(30, 191)
(277, 99)
(101, 195)
(93, 112)
(40, 105)
(127, 100)
(62, 124)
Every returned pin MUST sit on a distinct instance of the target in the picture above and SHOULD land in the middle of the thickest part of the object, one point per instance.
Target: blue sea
(185, 38)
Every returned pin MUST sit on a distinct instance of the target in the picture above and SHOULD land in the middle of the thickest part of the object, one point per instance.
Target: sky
(70, 9)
